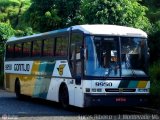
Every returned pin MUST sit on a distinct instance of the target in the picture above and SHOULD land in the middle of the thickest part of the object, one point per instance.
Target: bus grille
(120, 90)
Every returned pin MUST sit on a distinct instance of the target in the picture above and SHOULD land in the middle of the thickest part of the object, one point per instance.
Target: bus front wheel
(18, 89)
(64, 96)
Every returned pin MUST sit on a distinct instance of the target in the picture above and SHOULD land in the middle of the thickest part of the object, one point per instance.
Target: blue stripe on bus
(133, 84)
(46, 68)
(37, 87)
(44, 88)
(42, 83)
(41, 87)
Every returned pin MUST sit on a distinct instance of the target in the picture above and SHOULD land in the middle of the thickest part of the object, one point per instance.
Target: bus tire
(64, 96)
(18, 89)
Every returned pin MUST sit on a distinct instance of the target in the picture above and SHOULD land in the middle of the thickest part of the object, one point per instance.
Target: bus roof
(96, 29)
(113, 30)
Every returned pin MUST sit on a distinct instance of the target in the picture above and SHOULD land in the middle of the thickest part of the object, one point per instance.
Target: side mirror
(78, 80)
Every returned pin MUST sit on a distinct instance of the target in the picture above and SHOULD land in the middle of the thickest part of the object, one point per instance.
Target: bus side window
(75, 60)
(61, 46)
(75, 38)
(10, 51)
(48, 49)
(37, 46)
(26, 49)
(78, 60)
(18, 50)
(7, 55)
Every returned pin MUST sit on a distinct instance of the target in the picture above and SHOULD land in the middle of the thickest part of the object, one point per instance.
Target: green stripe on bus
(124, 84)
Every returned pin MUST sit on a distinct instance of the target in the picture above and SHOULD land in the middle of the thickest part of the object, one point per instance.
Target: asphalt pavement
(38, 109)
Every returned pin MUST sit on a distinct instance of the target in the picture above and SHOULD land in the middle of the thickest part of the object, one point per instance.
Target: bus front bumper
(116, 100)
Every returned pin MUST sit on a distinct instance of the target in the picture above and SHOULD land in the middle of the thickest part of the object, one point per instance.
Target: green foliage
(26, 31)
(121, 12)
(154, 72)
(154, 45)
(45, 15)
(6, 31)
(12, 10)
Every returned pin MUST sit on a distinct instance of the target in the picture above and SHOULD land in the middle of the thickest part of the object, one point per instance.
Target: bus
(82, 66)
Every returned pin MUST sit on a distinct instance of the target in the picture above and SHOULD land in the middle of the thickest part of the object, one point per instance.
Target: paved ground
(33, 109)
(29, 107)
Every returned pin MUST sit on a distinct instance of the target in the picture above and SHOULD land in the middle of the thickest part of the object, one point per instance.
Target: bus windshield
(133, 56)
(115, 56)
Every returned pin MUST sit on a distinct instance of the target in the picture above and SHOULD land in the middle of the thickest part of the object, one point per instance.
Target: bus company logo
(60, 69)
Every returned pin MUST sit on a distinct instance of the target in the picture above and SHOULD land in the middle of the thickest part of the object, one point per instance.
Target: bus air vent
(120, 90)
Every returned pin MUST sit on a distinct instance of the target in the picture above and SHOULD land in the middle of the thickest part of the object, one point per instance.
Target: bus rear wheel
(18, 89)
(64, 97)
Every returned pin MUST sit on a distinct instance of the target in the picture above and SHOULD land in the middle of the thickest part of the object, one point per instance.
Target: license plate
(121, 99)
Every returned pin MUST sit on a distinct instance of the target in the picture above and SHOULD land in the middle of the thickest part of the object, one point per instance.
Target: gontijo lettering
(21, 67)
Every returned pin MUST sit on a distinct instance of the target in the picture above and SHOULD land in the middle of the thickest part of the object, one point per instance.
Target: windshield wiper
(133, 73)
(107, 73)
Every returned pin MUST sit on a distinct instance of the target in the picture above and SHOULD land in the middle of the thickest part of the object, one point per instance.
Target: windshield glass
(133, 55)
(115, 56)
(101, 56)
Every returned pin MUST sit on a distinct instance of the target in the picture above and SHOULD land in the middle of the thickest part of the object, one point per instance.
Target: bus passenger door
(77, 71)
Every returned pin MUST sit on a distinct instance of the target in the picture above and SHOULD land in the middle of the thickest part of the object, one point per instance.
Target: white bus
(83, 65)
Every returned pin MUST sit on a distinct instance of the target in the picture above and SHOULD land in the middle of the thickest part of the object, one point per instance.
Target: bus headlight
(99, 90)
(93, 89)
(96, 90)
(87, 89)
(143, 90)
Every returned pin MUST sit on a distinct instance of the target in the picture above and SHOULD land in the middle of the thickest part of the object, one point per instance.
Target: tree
(6, 31)
(154, 43)
(45, 15)
(12, 10)
(154, 39)
(121, 12)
